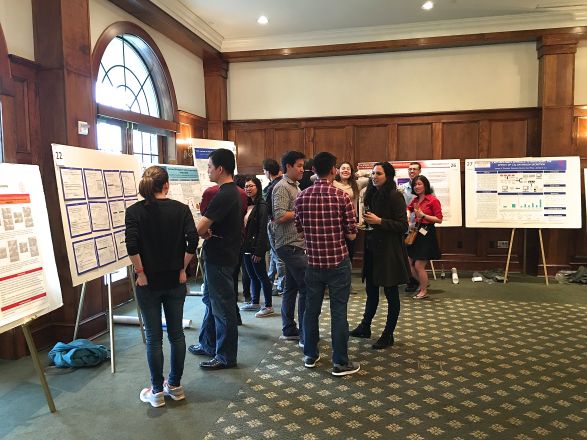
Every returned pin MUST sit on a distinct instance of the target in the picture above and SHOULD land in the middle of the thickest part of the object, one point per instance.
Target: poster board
(95, 188)
(201, 150)
(184, 186)
(445, 179)
(542, 192)
(29, 283)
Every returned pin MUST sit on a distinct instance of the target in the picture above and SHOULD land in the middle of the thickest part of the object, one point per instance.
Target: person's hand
(419, 213)
(142, 279)
(182, 277)
(255, 259)
(371, 218)
(207, 235)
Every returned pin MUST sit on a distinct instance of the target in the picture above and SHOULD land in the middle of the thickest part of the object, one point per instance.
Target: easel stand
(199, 269)
(37, 363)
(507, 264)
(130, 273)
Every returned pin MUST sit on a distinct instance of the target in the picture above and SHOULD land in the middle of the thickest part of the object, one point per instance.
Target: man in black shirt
(221, 227)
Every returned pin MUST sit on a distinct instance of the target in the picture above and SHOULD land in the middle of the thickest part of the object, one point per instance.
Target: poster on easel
(531, 192)
(445, 178)
(95, 188)
(185, 187)
(29, 283)
(202, 148)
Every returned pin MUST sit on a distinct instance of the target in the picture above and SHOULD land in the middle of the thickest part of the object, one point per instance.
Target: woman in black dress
(428, 212)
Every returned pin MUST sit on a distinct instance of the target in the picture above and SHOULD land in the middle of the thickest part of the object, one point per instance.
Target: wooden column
(556, 82)
(63, 49)
(215, 75)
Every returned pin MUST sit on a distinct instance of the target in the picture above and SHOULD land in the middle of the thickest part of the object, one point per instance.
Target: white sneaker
(176, 393)
(264, 312)
(154, 399)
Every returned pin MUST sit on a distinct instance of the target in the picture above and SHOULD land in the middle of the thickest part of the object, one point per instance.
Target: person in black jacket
(385, 260)
(161, 240)
(255, 247)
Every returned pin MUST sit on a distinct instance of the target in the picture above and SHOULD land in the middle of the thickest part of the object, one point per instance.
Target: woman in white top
(347, 180)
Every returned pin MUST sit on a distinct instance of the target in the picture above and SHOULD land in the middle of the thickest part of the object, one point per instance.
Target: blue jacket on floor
(78, 353)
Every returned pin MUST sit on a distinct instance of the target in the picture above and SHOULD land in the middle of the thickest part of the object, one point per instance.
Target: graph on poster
(523, 193)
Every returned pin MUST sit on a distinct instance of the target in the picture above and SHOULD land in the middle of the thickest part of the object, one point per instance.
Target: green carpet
(461, 368)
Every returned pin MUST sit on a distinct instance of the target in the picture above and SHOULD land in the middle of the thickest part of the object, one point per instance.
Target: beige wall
(498, 76)
(581, 75)
(187, 71)
(16, 17)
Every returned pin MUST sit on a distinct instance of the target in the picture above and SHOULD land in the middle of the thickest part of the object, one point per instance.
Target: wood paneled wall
(458, 135)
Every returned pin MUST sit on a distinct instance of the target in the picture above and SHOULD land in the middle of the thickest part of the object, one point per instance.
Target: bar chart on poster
(543, 192)
(29, 284)
(95, 188)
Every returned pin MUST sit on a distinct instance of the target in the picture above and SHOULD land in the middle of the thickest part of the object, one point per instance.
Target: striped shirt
(284, 197)
(325, 214)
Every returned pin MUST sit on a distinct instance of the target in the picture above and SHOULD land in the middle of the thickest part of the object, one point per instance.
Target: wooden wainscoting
(455, 135)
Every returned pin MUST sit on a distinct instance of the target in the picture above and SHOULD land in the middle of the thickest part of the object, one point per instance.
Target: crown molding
(194, 23)
(537, 20)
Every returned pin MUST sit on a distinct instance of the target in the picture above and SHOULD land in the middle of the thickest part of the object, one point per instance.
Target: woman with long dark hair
(385, 262)
(347, 180)
(255, 247)
(161, 240)
(428, 211)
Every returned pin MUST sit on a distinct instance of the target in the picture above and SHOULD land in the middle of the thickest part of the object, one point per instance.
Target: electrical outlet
(503, 244)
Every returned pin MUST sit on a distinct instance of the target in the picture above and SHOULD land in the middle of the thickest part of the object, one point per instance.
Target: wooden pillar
(215, 79)
(63, 49)
(556, 82)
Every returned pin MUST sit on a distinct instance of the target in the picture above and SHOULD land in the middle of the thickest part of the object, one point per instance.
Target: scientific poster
(542, 192)
(201, 150)
(185, 187)
(445, 179)
(29, 284)
(95, 188)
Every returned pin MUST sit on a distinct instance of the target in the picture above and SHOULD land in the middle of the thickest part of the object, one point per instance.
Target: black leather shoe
(386, 340)
(198, 350)
(214, 364)
(362, 331)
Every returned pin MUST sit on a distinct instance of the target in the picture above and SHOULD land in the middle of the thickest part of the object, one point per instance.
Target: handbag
(411, 237)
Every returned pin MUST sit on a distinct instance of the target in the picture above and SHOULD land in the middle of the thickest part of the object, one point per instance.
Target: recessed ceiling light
(428, 5)
(262, 20)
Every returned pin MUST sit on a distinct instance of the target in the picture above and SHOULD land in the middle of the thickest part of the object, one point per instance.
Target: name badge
(423, 231)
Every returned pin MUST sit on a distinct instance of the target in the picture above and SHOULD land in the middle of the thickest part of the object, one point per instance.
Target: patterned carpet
(460, 369)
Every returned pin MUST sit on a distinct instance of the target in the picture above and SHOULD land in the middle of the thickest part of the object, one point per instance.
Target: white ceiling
(232, 24)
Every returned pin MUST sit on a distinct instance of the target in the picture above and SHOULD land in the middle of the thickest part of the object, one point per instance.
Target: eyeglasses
(250, 186)
(413, 169)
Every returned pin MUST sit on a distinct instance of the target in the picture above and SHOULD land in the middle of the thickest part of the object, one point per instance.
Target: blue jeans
(296, 263)
(276, 266)
(259, 279)
(338, 281)
(150, 302)
(219, 332)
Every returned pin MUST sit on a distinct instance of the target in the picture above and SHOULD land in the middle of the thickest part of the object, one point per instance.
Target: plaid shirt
(325, 214)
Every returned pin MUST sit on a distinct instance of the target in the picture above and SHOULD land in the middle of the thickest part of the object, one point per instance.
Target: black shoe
(198, 350)
(239, 320)
(362, 331)
(214, 364)
(386, 340)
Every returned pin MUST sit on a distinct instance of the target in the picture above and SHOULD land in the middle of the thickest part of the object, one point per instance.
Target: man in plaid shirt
(325, 215)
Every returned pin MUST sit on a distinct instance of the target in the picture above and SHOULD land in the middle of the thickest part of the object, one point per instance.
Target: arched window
(135, 98)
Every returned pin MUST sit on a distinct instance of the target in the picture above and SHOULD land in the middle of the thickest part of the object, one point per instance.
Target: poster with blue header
(542, 192)
(201, 151)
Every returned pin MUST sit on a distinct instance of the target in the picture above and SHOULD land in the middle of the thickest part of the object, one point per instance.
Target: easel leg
(111, 325)
(133, 286)
(433, 271)
(35, 357)
(507, 264)
(543, 256)
(79, 310)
